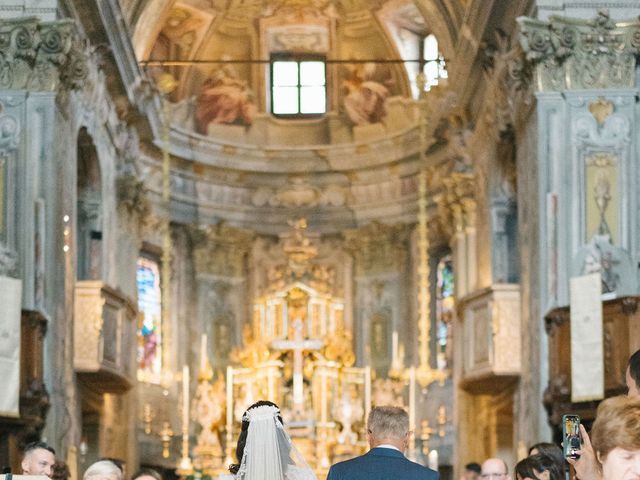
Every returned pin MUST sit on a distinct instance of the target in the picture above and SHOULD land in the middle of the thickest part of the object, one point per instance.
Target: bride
(264, 449)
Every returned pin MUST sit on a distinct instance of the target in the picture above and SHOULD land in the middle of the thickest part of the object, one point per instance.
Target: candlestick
(433, 460)
(229, 434)
(203, 353)
(394, 349)
(412, 412)
(185, 400)
(367, 393)
(185, 466)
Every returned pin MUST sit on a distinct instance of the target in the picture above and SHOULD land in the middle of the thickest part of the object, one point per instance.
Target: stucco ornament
(581, 54)
(41, 56)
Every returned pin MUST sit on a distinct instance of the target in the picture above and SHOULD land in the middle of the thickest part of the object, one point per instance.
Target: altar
(298, 354)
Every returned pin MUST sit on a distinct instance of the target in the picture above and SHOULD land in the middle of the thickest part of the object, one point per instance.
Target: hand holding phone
(571, 440)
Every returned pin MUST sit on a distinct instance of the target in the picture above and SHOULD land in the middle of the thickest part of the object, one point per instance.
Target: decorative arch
(89, 209)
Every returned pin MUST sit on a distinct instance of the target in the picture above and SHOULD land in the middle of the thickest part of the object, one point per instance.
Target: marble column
(586, 172)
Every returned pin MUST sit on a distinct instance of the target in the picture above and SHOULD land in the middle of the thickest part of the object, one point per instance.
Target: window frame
(298, 58)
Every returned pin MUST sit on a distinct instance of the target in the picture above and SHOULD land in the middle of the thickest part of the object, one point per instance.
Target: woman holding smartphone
(616, 438)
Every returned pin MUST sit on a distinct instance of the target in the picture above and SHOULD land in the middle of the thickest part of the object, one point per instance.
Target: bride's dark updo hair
(242, 439)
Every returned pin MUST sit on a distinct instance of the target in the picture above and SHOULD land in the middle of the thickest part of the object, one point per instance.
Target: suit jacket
(381, 464)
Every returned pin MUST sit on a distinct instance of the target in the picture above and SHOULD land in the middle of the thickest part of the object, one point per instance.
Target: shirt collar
(386, 445)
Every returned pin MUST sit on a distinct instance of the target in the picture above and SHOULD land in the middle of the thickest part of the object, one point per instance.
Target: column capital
(577, 54)
(41, 56)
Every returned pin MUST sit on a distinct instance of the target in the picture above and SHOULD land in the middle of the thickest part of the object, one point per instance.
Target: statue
(209, 413)
(224, 99)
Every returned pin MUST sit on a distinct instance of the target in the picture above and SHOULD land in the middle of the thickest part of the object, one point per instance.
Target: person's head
(632, 375)
(539, 466)
(550, 449)
(471, 471)
(38, 459)
(494, 469)
(388, 425)
(60, 471)
(244, 431)
(146, 474)
(103, 470)
(616, 438)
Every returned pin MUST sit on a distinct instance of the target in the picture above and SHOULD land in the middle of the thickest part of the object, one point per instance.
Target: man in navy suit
(388, 438)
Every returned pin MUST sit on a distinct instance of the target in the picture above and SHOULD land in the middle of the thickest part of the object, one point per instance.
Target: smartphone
(571, 436)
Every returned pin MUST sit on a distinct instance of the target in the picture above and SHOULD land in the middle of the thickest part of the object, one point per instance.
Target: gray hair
(388, 422)
(103, 470)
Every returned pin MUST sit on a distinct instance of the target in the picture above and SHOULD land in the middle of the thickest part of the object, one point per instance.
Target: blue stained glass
(444, 308)
(150, 319)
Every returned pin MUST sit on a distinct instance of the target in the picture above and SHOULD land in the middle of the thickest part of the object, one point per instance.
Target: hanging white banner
(587, 344)
(11, 308)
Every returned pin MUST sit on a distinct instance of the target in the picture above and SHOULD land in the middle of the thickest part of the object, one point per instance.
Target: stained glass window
(150, 320)
(444, 309)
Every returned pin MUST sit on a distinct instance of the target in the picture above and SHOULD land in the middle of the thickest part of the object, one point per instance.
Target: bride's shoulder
(298, 473)
(226, 476)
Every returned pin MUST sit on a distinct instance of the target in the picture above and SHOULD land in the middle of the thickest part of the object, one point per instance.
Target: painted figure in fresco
(150, 344)
(365, 95)
(224, 99)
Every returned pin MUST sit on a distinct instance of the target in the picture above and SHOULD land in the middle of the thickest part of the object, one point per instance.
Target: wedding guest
(616, 438)
(587, 466)
(539, 467)
(494, 469)
(60, 471)
(38, 459)
(103, 470)
(471, 471)
(146, 474)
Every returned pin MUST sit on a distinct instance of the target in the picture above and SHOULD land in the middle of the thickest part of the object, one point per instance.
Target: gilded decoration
(601, 109)
(571, 54)
(602, 193)
(41, 56)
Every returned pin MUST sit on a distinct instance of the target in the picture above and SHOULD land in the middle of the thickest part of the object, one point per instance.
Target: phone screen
(571, 436)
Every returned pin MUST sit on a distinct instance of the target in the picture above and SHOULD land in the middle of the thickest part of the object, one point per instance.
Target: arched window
(150, 319)
(423, 53)
(444, 309)
(434, 66)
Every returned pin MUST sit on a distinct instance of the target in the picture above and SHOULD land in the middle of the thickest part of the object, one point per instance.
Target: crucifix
(298, 346)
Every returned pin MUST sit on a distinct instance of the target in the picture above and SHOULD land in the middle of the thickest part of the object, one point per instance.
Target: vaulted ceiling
(203, 30)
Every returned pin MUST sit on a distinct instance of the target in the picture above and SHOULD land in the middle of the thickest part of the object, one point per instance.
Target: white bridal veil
(269, 453)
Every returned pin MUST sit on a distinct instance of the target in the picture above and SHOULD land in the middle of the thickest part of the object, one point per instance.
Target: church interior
(329, 204)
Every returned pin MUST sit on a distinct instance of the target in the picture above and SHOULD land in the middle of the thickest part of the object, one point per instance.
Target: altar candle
(412, 399)
(229, 398)
(367, 392)
(394, 349)
(324, 417)
(433, 460)
(185, 399)
(203, 353)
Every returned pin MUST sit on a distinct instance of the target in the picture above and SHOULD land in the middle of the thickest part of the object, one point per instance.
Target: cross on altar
(298, 346)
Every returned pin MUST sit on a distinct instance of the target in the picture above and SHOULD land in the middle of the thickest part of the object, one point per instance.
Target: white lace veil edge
(269, 453)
